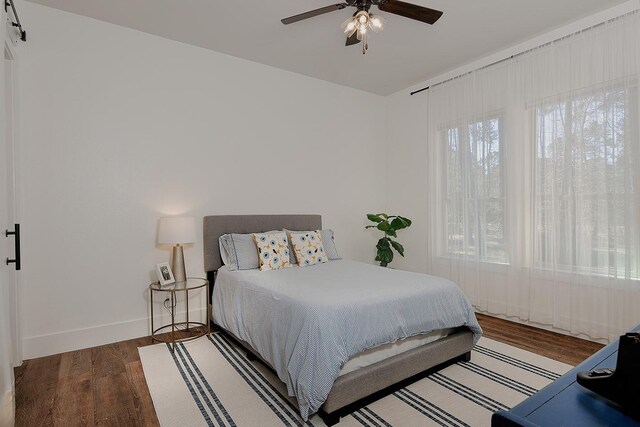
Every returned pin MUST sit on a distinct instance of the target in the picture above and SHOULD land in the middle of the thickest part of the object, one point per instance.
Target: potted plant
(389, 225)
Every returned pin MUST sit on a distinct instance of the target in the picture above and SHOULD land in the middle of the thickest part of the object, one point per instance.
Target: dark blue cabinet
(565, 403)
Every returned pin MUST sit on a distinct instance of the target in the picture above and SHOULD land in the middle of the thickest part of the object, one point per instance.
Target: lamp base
(177, 264)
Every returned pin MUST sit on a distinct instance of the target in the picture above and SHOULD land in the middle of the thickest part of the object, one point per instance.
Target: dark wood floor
(105, 385)
(555, 346)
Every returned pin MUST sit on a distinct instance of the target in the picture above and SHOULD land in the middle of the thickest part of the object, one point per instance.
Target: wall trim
(77, 339)
(7, 407)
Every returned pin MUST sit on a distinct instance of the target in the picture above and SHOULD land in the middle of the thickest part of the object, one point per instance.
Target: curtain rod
(481, 68)
(23, 33)
(522, 53)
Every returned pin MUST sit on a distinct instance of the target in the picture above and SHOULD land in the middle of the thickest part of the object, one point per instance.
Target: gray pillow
(242, 253)
(328, 243)
(239, 251)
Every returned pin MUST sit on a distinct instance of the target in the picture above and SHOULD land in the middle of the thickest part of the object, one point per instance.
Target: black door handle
(16, 233)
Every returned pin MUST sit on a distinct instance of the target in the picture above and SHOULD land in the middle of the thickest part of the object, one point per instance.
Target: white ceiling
(405, 53)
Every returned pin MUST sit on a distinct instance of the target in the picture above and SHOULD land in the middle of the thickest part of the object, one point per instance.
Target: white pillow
(327, 241)
(273, 250)
(308, 247)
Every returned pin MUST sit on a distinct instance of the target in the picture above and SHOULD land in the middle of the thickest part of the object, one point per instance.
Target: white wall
(119, 128)
(406, 186)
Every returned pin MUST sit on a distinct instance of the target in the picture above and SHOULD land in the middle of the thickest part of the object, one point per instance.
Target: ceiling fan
(356, 27)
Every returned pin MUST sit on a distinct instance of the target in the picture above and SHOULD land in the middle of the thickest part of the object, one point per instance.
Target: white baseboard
(7, 408)
(77, 339)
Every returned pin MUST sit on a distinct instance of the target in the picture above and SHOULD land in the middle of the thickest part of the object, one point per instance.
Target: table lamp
(177, 231)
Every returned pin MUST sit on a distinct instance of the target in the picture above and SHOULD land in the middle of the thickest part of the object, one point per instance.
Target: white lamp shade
(176, 230)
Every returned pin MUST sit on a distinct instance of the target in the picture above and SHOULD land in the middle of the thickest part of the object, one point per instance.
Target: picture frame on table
(165, 275)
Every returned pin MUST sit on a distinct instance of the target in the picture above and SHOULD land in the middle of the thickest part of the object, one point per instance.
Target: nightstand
(180, 331)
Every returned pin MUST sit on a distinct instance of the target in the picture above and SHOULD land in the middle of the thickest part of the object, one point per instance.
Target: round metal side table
(162, 334)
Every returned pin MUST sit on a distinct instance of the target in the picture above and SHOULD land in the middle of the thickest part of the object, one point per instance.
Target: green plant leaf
(383, 243)
(386, 256)
(383, 215)
(407, 220)
(374, 218)
(399, 223)
(391, 232)
(398, 247)
(384, 226)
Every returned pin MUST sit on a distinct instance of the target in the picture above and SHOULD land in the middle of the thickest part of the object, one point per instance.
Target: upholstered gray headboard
(216, 225)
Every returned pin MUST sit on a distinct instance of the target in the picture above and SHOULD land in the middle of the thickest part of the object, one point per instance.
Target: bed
(339, 334)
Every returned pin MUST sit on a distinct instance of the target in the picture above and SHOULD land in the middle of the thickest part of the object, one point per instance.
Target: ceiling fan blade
(352, 39)
(411, 11)
(312, 13)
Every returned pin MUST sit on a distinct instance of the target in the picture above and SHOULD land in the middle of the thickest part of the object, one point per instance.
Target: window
(586, 196)
(474, 192)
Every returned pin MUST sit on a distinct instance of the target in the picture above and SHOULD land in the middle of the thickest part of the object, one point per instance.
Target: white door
(9, 333)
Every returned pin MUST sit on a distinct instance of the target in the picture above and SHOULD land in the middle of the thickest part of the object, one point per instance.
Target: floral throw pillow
(308, 248)
(273, 250)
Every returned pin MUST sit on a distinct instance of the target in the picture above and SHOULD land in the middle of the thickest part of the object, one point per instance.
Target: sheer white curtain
(534, 183)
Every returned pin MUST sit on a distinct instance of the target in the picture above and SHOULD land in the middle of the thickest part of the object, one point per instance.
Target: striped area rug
(210, 382)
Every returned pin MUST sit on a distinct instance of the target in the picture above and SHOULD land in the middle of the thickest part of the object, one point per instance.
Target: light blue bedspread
(309, 321)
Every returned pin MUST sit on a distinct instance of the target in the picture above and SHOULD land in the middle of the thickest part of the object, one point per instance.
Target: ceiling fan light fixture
(349, 26)
(357, 25)
(377, 22)
(360, 23)
(362, 17)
